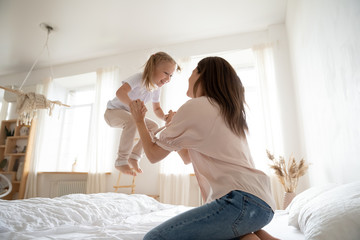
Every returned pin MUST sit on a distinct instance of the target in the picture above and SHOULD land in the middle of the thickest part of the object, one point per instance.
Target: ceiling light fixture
(27, 104)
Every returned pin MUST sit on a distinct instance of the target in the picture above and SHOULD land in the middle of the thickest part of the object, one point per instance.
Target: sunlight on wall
(327, 78)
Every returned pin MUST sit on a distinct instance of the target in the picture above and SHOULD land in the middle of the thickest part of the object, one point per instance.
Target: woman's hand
(138, 110)
(153, 152)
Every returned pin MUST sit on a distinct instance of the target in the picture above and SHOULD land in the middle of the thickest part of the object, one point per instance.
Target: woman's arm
(122, 93)
(184, 154)
(153, 152)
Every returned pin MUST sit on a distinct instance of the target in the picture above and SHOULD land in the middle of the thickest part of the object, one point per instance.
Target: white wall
(133, 61)
(148, 182)
(324, 43)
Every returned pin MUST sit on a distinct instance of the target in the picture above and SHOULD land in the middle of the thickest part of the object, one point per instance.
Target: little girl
(144, 86)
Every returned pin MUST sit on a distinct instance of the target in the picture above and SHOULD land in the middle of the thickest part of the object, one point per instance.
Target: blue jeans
(231, 216)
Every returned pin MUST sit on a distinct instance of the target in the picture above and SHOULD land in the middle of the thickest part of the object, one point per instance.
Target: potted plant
(288, 174)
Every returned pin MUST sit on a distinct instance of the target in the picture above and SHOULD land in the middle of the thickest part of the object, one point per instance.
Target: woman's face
(192, 80)
(163, 73)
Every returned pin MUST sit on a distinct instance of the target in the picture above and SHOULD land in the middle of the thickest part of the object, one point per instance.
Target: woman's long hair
(221, 84)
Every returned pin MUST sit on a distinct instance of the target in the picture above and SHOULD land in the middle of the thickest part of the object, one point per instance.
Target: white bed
(279, 227)
(98, 216)
(331, 212)
(83, 216)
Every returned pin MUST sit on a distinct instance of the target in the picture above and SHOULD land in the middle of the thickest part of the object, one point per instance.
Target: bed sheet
(100, 216)
(84, 216)
(279, 227)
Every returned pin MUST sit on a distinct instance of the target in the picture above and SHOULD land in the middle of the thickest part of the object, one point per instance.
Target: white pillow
(334, 214)
(301, 199)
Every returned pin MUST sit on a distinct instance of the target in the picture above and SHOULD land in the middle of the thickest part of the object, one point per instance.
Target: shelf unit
(15, 146)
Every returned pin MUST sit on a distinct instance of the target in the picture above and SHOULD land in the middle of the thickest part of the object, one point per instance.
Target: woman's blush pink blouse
(222, 161)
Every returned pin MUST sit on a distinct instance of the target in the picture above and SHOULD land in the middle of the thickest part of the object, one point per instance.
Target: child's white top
(138, 91)
(222, 161)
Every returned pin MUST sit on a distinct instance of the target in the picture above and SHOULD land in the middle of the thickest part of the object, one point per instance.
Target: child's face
(163, 73)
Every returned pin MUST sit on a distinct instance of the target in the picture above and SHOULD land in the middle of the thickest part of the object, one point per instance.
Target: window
(75, 128)
(68, 129)
(254, 115)
(1, 102)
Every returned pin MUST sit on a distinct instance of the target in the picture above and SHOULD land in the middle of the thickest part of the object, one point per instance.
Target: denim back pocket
(253, 216)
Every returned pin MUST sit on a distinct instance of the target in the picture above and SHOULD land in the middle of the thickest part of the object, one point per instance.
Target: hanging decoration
(27, 104)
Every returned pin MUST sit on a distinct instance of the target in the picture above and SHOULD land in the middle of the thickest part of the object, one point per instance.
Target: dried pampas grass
(288, 173)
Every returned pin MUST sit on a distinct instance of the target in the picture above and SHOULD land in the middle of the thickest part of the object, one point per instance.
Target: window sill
(108, 173)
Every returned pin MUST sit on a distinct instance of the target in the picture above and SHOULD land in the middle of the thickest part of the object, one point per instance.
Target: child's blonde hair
(150, 65)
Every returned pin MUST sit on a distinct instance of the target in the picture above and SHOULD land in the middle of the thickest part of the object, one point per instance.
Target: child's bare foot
(263, 235)
(126, 170)
(135, 165)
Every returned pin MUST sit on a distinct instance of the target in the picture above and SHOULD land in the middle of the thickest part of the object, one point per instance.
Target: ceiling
(87, 29)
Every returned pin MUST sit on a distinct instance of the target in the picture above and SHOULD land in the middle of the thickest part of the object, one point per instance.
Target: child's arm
(122, 93)
(158, 111)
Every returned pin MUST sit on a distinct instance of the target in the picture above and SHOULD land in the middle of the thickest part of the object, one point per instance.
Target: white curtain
(4, 106)
(175, 188)
(174, 174)
(102, 145)
(38, 143)
(264, 61)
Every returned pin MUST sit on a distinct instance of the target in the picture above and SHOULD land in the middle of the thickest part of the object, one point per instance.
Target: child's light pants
(120, 118)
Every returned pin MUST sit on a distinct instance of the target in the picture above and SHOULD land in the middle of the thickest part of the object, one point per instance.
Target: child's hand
(169, 116)
(138, 110)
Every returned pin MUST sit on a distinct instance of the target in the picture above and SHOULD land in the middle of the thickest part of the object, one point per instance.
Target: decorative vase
(288, 197)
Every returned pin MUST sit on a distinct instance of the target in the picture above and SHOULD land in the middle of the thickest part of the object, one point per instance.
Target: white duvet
(83, 216)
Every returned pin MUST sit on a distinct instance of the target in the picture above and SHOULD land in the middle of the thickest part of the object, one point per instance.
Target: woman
(209, 131)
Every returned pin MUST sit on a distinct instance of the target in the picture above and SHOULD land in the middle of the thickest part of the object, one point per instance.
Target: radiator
(60, 188)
